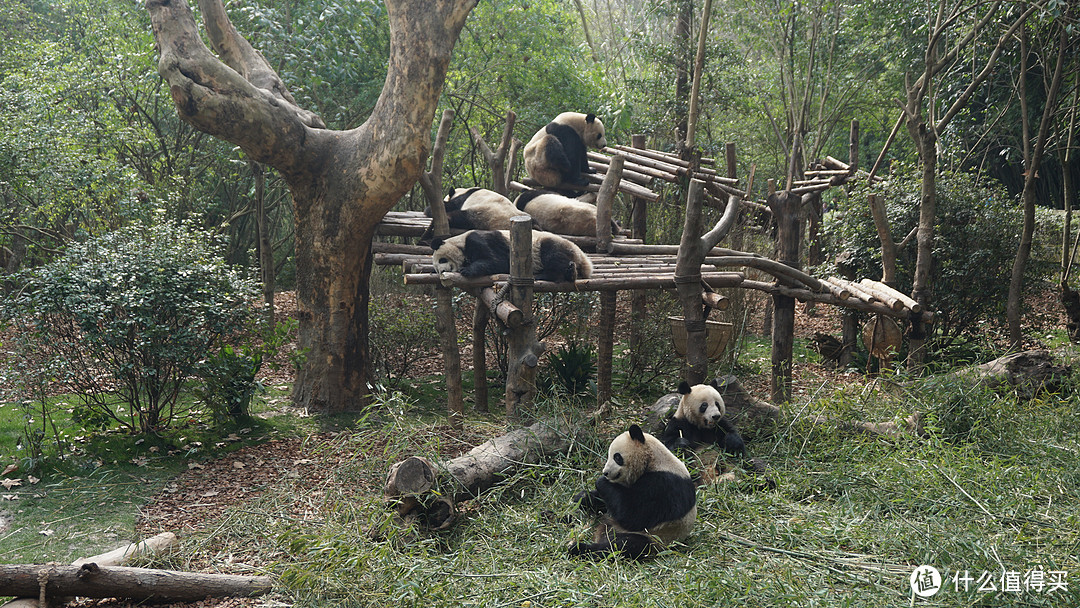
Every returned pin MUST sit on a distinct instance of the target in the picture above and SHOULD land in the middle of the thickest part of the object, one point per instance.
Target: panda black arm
(590, 501)
(487, 252)
(656, 497)
(733, 442)
(679, 434)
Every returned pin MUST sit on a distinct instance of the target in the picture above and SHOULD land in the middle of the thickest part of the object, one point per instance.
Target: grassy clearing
(993, 487)
(87, 501)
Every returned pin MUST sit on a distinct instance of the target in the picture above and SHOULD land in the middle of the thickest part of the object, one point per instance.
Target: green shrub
(126, 318)
(976, 235)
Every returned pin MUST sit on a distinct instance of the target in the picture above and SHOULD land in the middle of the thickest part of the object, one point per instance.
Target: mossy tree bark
(342, 182)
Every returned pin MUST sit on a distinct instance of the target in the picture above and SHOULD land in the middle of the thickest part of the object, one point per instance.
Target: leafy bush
(572, 369)
(976, 236)
(126, 318)
(401, 333)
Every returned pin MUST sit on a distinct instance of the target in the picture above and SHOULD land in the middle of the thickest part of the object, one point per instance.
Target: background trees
(92, 141)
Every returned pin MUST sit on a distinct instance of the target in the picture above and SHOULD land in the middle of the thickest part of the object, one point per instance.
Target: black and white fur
(486, 252)
(478, 209)
(699, 420)
(646, 497)
(560, 214)
(558, 153)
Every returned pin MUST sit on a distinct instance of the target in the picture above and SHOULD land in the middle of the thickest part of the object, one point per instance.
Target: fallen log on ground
(151, 546)
(1028, 372)
(90, 580)
(429, 491)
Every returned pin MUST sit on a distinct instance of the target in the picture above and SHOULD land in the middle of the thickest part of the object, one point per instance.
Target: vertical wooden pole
(523, 354)
(604, 200)
(688, 284)
(785, 207)
(479, 355)
(638, 228)
(605, 346)
(431, 181)
(766, 328)
(853, 146)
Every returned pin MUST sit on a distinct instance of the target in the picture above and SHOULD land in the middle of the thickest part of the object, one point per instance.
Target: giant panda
(558, 153)
(560, 214)
(699, 420)
(477, 209)
(486, 252)
(646, 497)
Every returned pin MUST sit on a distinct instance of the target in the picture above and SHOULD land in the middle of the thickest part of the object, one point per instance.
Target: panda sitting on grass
(645, 496)
(699, 420)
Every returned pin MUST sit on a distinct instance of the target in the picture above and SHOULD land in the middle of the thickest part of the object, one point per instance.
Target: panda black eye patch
(442, 260)
(618, 459)
(704, 406)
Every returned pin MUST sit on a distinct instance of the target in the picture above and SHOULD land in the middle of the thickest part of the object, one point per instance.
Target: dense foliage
(124, 320)
(976, 236)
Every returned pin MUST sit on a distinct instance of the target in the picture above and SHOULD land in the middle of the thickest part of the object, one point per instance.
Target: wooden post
(638, 228)
(785, 208)
(766, 327)
(605, 347)
(688, 284)
(604, 200)
(431, 181)
(853, 146)
(496, 160)
(479, 356)
(888, 247)
(523, 353)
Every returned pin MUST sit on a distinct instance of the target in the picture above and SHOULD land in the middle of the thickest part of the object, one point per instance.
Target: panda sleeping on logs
(560, 214)
(558, 153)
(477, 209)
(645, 495)
(699, 420)
(478, 253)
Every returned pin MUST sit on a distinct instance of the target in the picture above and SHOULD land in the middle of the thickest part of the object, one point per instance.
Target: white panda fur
(646, 496)
(558, 153)
(486, 252)
(699, 420)
(478, 209)
(560, 214)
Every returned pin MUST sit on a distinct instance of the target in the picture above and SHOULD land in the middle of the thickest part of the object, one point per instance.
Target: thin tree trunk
(1012, 309)
(266, 246)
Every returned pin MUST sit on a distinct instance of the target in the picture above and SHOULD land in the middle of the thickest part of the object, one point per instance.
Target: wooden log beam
(510, 315)
(713, 279)
(604, 199)
(91, 580)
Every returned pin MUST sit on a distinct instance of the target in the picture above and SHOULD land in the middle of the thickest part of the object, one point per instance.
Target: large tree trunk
(342, 182)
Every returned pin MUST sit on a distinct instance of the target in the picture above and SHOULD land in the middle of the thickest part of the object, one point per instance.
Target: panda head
(635, 453)
(593, 132)
(447, 255)
(701, 405)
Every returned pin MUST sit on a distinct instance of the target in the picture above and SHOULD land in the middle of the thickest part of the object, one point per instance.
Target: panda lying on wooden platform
(560, 214)
(646, 498)
(479, 253)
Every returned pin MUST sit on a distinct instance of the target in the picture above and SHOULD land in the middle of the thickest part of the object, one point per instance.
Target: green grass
(87, 501)
(992, 486)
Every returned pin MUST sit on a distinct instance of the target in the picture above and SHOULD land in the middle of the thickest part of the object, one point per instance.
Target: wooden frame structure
(694, 269)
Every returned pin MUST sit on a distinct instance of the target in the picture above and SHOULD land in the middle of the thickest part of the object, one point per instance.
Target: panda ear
(590, 117)
(684, 388)
(450, 194)
(636, 433)
(437, 242)
(715, 383)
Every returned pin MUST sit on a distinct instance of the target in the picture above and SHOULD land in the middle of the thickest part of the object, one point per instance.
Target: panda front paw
(734, 444)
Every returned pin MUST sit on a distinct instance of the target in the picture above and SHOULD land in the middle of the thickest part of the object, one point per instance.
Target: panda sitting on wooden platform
(699, 420)
(479, 253)
(646, 498)
(558, 153)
